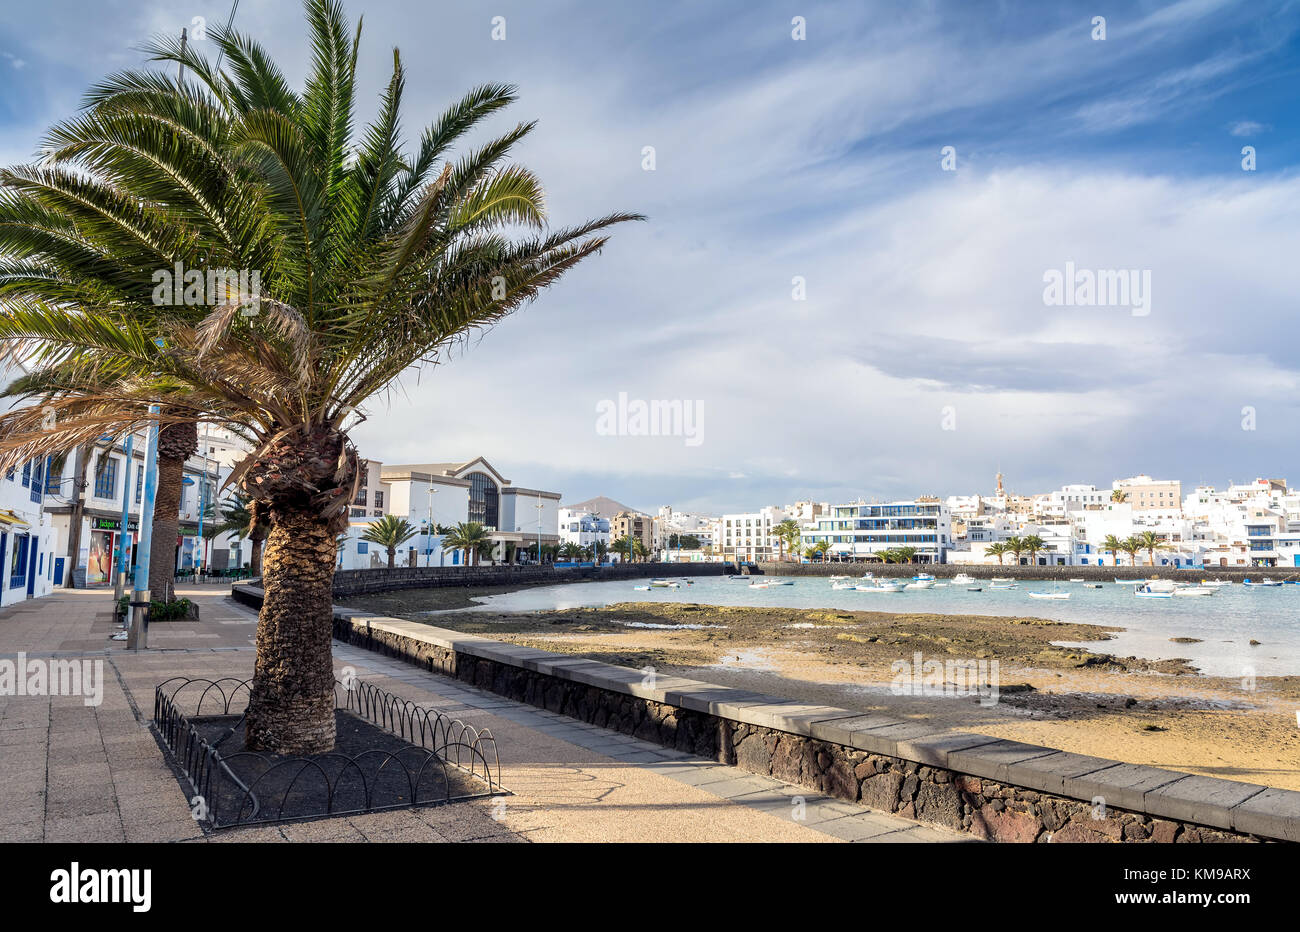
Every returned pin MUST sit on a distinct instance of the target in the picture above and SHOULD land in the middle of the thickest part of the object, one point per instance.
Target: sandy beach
(1088, 701)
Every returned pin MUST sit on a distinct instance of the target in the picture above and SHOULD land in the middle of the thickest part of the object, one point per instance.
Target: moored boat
(1146, 592)
(1195, 590)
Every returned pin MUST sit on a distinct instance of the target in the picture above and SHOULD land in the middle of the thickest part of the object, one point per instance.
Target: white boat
(838, 578)
(1261, 583)
(1056, 593)
(1195, 590)
(1162, 585)
(963, 579)
(843, 585)
(920, 584)
(883, 586)
(663, 584)
(1216, 583)
(923, 577)
(974, 588)
(1129, 582)
(1077, 579)
(1002, 582)
(782, 582)
(1146, 592)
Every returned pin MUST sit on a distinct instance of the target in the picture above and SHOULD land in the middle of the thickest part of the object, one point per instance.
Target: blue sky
(923, 359)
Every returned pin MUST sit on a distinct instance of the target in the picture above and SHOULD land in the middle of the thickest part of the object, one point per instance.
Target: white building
(747, 537)
(444, 495)
(860, 531)
(29, 544)
(83, 499)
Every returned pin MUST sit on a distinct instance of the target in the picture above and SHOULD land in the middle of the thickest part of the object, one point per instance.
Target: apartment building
(1147, 494)
(860, 531)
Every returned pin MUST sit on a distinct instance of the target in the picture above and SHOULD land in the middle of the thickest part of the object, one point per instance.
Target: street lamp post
(428, 547)
(124, 535)
(138, 635)
(539, 529)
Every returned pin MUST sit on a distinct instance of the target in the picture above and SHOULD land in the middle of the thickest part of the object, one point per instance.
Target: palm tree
(787, 534)
(1151, 543)
(470, 536)
(823, 547)
(640, 550)
(1112, 545)
(1015, 546)
(236, 518)
(571, 551)
(390, 532)
(1032, 544)
(1132, 546)
(624, 547)
(998, 550)
(1119, 495)
(372, 260)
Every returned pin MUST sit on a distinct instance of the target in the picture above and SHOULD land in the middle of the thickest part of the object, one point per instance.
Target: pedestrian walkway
(69, 772)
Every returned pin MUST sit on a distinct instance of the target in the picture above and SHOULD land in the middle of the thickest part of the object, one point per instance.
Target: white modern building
(861, 530)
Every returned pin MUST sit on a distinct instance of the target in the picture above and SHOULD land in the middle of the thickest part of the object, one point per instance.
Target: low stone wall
(992, 788)
(359, 582)
(1090, 573)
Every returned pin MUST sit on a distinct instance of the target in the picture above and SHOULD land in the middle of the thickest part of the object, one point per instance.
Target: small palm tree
(1032, 544)
(1118, 496)
(237, 518)
(1015, 546)
(1112, 545)
(787, 535)
(640, 550)
(823, 548)
(624, 547)
(469, 536)
(571, 551)
(390, 532)
(809, 553)
(1151, 543)
(1132, 546)
(905, 554)
(996, 549)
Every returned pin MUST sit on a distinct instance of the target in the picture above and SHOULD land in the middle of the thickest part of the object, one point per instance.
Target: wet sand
(1161, 713)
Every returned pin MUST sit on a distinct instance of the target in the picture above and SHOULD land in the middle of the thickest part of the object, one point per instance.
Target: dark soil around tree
(368, 770)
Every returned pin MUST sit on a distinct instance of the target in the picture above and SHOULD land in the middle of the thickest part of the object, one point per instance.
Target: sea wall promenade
(1090, 573)
(987, 787)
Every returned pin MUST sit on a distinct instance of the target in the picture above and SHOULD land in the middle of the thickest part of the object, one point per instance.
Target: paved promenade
(69, 772)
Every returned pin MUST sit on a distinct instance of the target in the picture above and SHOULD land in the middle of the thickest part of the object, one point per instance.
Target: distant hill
(601, 506)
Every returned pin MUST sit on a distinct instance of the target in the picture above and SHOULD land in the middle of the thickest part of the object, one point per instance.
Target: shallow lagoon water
(1225, 623)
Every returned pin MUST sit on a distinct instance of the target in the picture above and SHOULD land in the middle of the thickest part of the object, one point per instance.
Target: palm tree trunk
(392, 557)
(291, 709)
(255, 558)
(175, 444)
(165, 528)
